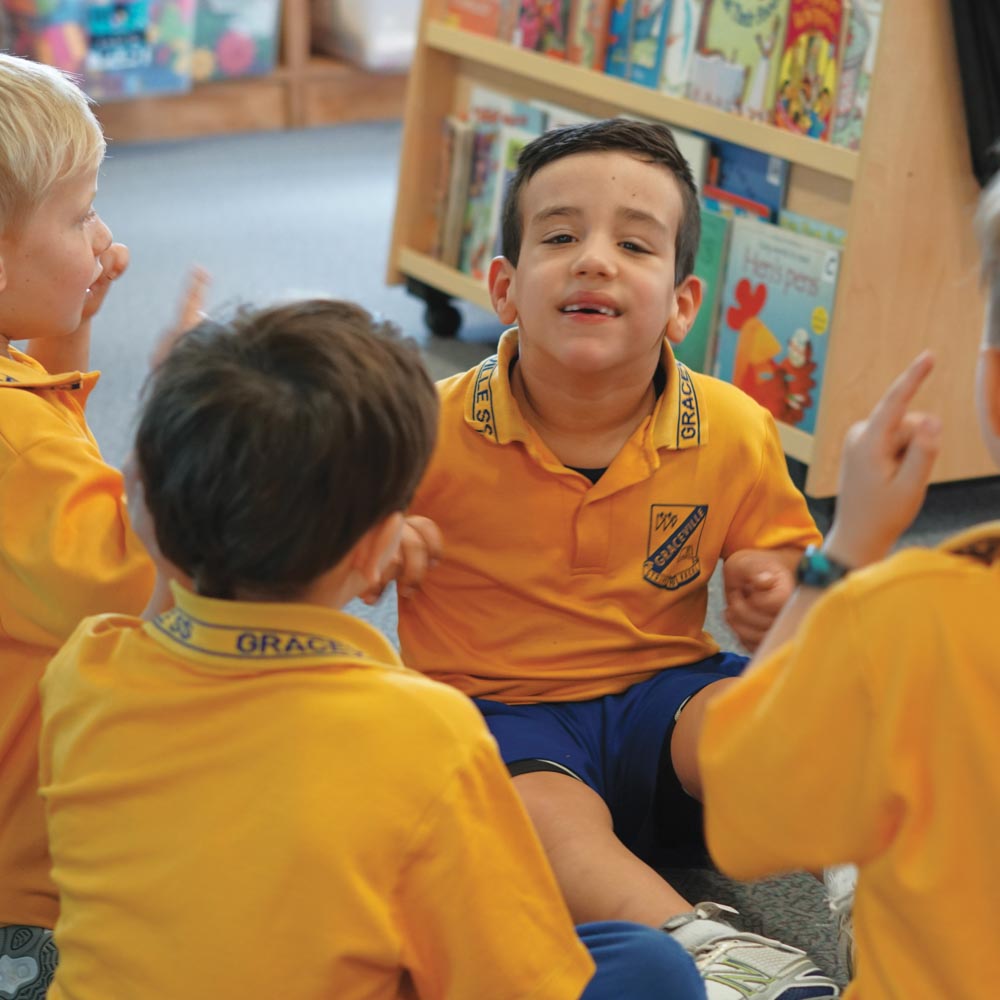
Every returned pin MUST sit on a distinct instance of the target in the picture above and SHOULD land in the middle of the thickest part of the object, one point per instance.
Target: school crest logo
(675, 532)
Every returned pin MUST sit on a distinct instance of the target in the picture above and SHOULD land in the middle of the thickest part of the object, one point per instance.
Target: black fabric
(977, 40)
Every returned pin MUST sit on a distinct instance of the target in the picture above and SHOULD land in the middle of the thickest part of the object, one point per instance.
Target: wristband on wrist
(817, 569)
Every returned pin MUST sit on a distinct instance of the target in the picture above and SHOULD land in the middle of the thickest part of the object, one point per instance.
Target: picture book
(510, 142)
(54, 33)
(807, 226)
(543, 26)
(749, 173)
(649, 41)
(857, 65)
(774, 324)
(682, 36)
(619, 45)
(733, 206)
(698, 346)
(138, 48)
(807, 77)
(488, 111)
(483, 17)
(454, 187)
(588, 33)
(735, 65)
(234, 38)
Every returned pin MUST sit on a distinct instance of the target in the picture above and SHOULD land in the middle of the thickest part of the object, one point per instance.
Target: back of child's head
(650, 142)
(268, 445)
(47, 132)
(988, 223)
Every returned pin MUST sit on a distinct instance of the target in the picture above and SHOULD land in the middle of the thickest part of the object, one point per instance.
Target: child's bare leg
(600, 878)
(684, 742)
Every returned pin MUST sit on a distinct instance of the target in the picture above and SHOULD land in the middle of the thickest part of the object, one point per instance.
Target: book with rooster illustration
(776, 314)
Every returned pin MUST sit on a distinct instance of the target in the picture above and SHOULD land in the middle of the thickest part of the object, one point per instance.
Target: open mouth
(591, 310)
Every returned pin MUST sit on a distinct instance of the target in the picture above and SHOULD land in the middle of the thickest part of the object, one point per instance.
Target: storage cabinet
(909, 272)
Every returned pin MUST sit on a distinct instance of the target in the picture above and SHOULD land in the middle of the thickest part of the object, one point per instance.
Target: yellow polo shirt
(259, 800)
(66, 551)
(874, 737)
(554, 589)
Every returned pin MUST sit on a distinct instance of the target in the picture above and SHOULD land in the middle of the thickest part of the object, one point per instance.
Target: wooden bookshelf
(909, 271)
(304, 90)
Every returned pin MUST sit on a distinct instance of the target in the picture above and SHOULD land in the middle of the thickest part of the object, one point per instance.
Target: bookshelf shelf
(908, 275)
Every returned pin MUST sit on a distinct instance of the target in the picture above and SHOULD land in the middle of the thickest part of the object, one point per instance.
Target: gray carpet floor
(280, 215)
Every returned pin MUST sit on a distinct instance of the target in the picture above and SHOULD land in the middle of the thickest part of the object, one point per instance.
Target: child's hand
(189, 314)
(115, 262)
(757, 582)
(419, 551)
(884, 472)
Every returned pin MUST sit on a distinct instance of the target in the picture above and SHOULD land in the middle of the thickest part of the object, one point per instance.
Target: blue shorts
(619, 745)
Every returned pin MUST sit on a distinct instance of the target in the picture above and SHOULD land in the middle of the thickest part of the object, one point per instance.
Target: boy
(66, 548)
(587, 485)
(249, 795)
(900, 662)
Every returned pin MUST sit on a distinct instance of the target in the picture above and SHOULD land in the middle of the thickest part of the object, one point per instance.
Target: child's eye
(558, 238)
(633, 247)
(90, 216)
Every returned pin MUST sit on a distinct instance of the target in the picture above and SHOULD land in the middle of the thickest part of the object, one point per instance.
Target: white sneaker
(736, 965)
(840, 882)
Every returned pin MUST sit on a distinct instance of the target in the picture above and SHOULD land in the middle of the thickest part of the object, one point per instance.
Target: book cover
(480, 16)
(543, 26)
(682, 36)
(857, 66)
(808, 226)
(750, 173)
(698, 346)
(510, 142)
(808, 70)
(488, 111)
(588, 33)
(733, 206)
(697, 150)
(619, 46)
(649, 41)
(454, 196)
(734, 66)
(234, 38)
(774, 327)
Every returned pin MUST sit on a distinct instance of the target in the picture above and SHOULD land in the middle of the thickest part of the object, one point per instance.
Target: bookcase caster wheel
(441, 317)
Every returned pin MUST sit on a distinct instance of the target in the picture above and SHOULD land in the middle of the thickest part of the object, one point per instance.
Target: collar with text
(243, 636)
(21, 371)
(679, 420)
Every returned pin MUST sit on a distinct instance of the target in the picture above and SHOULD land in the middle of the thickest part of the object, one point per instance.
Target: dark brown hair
(650, 142)
(268, 445)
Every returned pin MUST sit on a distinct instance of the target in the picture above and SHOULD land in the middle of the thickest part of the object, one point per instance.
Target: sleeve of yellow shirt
(483, 916)
(67, 549)
(787, 755)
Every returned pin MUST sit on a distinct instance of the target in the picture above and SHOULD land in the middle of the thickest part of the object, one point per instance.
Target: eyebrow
(624, 213)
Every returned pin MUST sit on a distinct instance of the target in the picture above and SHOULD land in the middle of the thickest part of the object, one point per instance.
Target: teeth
(603, 310)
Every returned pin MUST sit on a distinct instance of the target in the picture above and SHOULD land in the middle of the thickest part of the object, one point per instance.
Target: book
(234, 38)
(733, 206)
(488, 111)
(734, 66)
(697, 150)
(619, 44)
(557, 116)
(454, 193)
(510, 142)
(483, 17)
(808, 68)
(807, 226)
(777, 307)
(649, 41)
(543, 26)
(588, 33)
(697, 348)
(750, 174)
(682, 37)
(857, 66)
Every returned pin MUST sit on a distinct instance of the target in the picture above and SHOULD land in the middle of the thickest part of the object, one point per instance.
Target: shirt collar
(245, 636)
(679, 418)
(21, 371)
(981, 543)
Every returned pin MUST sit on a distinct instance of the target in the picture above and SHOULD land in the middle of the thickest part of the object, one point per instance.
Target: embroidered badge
(672, 549)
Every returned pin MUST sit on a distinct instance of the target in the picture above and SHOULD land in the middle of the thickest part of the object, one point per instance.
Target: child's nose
(102, 237)
(594, 257)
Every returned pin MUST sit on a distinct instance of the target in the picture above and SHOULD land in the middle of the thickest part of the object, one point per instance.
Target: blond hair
(47, 132)
(988, 228)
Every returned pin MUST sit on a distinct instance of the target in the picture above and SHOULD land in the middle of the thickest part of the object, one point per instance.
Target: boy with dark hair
(899, 658)
(587, 485)
(249, 795)
(66, 547)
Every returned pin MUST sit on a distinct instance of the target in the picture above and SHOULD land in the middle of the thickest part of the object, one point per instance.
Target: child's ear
(377, 548)
(501, 283)
(687, 301)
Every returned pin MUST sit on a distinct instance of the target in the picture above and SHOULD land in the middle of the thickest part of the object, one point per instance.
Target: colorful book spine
(588, 33)
(774, 327)
(543, 26)
(619, 47)
(480, 16)
(857, 66)
(808, 69)
(682, 38)
(649, 41)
